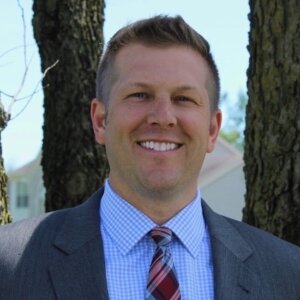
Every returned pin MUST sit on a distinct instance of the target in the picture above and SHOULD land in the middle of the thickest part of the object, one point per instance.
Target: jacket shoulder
(275, 262)
(269, 248)
(16, 236)
(253, 233)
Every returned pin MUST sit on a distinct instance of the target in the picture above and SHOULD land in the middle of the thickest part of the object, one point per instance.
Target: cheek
(127, 117)
(195, 124)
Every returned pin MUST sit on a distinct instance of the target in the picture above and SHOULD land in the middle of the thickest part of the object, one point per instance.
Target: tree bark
(69, 31)
(272, 135)
(4, 213)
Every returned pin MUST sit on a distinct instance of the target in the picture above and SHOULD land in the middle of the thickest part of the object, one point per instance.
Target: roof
(26, 169)
(222, 160)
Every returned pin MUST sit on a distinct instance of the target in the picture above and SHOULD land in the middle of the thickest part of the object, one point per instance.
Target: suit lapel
(234, 278)
(80, 274)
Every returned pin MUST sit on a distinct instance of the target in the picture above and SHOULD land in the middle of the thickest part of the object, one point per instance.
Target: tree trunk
(272, 136)
(71, 32)
(4, 214)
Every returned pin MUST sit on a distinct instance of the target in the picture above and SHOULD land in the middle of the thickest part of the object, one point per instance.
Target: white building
(221, 180)
(26, 192)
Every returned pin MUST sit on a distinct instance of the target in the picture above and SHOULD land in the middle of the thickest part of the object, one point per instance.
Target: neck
(160, 206)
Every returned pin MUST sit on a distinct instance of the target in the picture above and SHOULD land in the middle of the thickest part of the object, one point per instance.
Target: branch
(14, 98)
(24, 77)
(24, 33)
(26, 97)
(13, 49)
(30, 96)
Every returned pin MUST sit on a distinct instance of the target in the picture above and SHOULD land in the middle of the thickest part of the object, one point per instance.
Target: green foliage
(234, 123)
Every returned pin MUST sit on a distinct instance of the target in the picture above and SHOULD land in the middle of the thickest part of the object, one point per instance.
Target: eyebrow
(180, 88)
(139, 84)
(186, 88)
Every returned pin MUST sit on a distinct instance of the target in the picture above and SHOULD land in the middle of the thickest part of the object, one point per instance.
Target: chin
(161, 186)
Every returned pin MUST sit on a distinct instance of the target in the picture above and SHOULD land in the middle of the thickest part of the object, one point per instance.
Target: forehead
(170, 62)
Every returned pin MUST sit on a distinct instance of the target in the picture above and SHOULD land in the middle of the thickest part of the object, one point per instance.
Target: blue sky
(223, 23)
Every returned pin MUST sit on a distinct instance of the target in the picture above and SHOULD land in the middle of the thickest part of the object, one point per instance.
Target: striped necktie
(162, 282)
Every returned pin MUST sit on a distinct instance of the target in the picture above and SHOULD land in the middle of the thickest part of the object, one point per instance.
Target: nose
(162, 113)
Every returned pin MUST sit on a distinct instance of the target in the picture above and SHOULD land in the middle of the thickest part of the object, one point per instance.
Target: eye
(140, 95)
(182, 98)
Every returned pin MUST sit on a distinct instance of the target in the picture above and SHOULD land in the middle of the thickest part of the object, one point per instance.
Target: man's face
(159, 124)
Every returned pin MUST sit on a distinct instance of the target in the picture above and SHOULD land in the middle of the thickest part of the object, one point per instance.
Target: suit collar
(80, 273)
(79, 241)
(232, 257)
(81, 225)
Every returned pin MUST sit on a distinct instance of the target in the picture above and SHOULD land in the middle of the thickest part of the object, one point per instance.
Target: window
(22, 194)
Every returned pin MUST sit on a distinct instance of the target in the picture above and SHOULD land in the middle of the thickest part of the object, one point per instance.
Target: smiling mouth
(159, 146)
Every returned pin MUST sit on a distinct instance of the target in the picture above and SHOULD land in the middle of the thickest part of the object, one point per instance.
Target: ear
(215, 125)
(98, 120)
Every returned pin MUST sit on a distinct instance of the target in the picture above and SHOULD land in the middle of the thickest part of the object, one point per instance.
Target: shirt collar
(132, 225)
(189, 226)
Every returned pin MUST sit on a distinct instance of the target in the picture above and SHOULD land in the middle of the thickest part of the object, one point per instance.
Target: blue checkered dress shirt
(128, 249)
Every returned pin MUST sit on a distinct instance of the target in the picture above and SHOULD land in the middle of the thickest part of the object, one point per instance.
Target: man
(147, 234)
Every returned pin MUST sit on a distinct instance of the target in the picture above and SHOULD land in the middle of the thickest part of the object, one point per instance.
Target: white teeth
(159, 146)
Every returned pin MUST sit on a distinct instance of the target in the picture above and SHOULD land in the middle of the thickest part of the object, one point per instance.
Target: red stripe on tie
(162, 282)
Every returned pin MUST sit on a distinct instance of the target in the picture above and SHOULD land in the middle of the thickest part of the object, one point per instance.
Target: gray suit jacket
(59, 255)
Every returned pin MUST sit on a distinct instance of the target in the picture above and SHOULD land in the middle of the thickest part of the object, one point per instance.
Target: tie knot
(162, 236)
